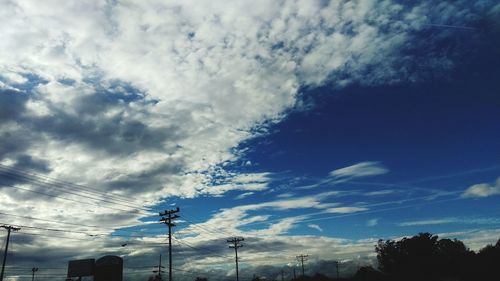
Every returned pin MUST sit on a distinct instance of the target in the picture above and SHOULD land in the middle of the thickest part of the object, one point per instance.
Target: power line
(43, 179)
(199, 248)
(212, 230)
(64, 198)
(64, 190)
(82, 232)
(56, 221)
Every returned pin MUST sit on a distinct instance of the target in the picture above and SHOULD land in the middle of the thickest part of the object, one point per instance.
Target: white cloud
(149, 99)
(362, 169)
(346, 210)
(315, 226)
(482, 190)
(428, 222)
(244, 195)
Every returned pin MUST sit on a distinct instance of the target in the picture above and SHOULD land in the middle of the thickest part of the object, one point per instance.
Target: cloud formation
(362, 169)
(315, 226)
(145, 101)
(482, 190)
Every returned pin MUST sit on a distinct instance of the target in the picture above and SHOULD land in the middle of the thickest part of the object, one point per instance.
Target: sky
(305, 127)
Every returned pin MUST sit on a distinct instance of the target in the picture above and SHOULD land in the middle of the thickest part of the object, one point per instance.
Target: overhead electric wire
(65, 190)
(64, 198)
(81, 232)
(199, 248)
(38, 177)
(47, 220)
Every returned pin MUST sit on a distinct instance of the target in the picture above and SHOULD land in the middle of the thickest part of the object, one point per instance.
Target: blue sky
(312, 127)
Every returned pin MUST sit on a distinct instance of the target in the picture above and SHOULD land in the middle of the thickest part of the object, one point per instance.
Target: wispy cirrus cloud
(315, 226)
(346, 210)
(452, 220)
(244, 195)
(362, 169)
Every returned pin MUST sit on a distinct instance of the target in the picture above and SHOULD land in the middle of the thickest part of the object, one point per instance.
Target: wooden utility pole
(9, 229)
(302, 258)
(160, 270)
(33, 270)
(168, 221)
(337, 265)
(236, 244)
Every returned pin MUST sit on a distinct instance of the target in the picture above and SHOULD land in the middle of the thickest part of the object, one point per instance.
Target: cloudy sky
(307, 127)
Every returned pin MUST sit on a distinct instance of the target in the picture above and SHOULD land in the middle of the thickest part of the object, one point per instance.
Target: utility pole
(33, 270)
(235, 241)
(302, 258)
(160, 270)
(168, 221)
(9, 229)
(337, 265)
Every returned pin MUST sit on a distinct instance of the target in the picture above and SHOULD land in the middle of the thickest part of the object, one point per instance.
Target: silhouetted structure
(108, 268)
(81, 268)
(301, 259)
(235, 244)
(167, 218)
(9, 229)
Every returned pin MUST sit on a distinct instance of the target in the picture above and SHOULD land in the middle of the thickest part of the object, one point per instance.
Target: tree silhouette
(368, 273)
(425, 257)
(488, 262)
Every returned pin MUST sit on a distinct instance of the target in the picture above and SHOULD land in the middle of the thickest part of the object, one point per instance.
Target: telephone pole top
(167, 218)
(235, 244)
(302, 258)
(9, 229)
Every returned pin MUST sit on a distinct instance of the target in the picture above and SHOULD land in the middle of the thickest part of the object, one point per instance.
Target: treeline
(425, 257)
